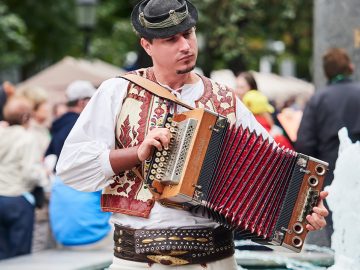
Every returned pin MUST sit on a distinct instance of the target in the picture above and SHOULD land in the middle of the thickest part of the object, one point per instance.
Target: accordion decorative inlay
(237, 178)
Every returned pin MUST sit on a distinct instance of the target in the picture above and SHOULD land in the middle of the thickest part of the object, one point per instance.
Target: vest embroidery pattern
(141, 111)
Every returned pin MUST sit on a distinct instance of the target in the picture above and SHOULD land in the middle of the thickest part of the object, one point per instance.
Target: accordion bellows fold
(237, 178)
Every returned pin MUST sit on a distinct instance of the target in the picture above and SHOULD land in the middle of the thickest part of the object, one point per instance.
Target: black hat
(163, 18)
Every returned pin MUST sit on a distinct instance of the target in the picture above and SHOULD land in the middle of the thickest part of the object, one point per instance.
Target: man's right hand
(158, 137)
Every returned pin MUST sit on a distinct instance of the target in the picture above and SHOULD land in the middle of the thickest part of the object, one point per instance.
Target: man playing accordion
(119, 129)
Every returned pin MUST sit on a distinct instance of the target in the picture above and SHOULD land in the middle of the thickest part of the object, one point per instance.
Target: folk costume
(119, 116)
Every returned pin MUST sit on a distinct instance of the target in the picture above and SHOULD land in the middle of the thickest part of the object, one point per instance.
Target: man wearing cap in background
(75, 217)
(118, 130)
(78, 94)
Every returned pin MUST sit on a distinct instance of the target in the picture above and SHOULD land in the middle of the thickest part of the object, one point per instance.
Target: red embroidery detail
(124, 137)
(159, 113)
(144, 116)
(131, 177)
(210, 97)
(127, 206)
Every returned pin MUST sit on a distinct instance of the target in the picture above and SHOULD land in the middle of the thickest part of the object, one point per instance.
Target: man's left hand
(317, 218)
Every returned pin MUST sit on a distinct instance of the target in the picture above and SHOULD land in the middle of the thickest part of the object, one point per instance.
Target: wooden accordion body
(237, 178)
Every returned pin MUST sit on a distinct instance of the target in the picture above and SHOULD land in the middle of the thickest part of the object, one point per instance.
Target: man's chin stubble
(184, 71)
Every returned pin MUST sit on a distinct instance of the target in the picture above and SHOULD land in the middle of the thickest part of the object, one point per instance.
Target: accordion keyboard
(166, 166)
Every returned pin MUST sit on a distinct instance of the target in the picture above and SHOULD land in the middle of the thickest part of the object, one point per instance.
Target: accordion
(237, 178)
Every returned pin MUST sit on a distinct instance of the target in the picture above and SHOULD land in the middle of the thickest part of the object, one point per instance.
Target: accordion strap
(155, 88)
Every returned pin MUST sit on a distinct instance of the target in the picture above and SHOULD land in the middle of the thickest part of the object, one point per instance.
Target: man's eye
(188, 34)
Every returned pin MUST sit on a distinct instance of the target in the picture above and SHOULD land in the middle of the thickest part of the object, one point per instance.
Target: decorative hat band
(175, 18)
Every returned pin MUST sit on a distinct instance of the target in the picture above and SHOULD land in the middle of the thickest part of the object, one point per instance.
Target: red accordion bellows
(238, 178)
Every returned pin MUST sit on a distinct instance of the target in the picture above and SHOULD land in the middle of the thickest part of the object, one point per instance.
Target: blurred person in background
(39, 123)
(334, 106)
(59, 109)
(245, 82)
(259, 105)
(20, 172)
(75, 217)
(39, 127)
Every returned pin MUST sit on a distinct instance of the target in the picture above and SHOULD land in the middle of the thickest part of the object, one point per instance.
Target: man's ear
(146, 45)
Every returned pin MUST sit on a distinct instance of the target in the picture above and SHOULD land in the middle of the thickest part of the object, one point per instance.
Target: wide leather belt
(173, 247)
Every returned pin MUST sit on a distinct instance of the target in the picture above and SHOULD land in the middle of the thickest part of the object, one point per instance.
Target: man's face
(178, 52)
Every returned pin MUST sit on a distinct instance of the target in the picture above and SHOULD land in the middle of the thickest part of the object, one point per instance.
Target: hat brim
(151, 33)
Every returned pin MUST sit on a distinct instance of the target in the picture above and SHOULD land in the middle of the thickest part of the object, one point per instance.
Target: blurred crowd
(38, 211)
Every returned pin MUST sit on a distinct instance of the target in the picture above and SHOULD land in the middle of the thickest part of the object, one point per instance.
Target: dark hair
(249, 78)
(336, 61)
(72, 103)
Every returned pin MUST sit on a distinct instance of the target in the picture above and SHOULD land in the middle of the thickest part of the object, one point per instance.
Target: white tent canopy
(275, 87)
(280, 89)
(57, 77)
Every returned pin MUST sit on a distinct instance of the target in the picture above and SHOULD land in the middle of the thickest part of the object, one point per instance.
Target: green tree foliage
(113, 36)
(51, 30)
(13, 41)
(237, 31)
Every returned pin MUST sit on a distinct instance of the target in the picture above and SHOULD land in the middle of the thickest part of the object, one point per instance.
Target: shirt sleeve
(84, 162)
(245, 118)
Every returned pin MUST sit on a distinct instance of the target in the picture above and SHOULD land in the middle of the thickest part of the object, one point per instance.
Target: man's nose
(184, 44)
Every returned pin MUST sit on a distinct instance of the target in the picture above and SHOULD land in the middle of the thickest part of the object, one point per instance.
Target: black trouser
(16, 226)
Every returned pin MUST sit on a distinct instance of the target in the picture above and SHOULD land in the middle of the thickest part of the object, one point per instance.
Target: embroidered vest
(141, 111)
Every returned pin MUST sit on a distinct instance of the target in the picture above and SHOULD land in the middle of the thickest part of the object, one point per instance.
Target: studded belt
(173, 247)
